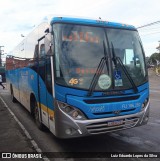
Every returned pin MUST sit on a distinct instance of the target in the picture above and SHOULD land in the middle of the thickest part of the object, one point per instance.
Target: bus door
(42, 90)
(49, 81)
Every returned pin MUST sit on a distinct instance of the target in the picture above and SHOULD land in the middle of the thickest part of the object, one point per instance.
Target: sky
(19, 17)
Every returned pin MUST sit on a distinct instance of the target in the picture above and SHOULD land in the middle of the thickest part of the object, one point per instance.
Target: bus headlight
(71, 111)
(144, 104)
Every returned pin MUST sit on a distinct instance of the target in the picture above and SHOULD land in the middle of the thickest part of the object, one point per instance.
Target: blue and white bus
(81, 77)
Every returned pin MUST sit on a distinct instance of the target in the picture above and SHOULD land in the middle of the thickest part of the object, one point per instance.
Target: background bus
(81, 77)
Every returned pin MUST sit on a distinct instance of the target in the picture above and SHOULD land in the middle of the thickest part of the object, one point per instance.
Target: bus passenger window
(42, 50)
(36, 51)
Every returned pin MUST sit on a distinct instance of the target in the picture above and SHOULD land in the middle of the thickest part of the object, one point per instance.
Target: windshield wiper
(117, 59)
(99, 69)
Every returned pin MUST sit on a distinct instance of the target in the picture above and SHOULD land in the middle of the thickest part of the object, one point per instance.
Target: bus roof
(97, 22)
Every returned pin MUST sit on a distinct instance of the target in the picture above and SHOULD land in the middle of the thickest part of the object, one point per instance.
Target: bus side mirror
(49, 46)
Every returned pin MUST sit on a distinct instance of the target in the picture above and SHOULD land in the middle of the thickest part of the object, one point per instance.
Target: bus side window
(47, 42)
(36, 51)
(42, 50)
(48, 75)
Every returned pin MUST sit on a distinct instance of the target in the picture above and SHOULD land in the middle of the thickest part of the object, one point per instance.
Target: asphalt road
(140, 139)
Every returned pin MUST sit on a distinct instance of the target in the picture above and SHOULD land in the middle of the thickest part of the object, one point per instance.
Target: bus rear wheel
(37, 117)
(14, 100)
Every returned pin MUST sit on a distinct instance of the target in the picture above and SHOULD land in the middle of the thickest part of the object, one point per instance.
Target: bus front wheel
(37, 117)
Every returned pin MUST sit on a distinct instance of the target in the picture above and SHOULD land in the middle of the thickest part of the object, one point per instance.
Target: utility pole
(0, 56)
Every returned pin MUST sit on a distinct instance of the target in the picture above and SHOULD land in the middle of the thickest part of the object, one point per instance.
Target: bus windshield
(79, 50)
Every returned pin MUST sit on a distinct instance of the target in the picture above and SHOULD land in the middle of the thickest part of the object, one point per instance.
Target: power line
(150, 24)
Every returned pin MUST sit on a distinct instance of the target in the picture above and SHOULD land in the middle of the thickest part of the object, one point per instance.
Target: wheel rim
(37, 115)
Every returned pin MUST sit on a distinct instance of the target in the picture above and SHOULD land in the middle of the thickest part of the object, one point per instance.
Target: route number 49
(73, 81)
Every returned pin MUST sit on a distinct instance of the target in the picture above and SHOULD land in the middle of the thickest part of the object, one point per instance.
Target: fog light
(68, 131)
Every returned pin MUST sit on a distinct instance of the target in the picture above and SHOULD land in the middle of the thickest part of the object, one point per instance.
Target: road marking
(35, 145)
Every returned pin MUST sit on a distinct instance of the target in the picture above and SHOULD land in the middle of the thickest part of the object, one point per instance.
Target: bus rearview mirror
(49, 46)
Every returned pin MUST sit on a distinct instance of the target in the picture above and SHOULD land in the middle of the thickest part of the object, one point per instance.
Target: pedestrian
(1, 82)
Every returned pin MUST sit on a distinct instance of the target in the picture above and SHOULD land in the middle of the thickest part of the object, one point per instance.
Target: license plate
(115, 123)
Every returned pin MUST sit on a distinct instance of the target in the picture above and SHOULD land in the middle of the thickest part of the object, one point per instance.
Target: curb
(35, 145)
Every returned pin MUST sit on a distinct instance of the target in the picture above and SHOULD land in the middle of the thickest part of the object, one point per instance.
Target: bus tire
(37, 117)
(14, 100)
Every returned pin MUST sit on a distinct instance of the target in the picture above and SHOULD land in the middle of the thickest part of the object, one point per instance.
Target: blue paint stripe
(91, 22)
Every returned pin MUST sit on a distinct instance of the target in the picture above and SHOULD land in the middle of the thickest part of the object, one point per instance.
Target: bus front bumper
(67, 127)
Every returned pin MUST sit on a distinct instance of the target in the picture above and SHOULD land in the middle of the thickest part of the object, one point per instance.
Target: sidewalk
(12, 137)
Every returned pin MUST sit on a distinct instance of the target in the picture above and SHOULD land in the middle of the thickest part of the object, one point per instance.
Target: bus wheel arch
(35, 112)
(32, 100)
(14, 100)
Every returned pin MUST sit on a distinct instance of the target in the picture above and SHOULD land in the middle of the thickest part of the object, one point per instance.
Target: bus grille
(111, 100)
(104, 127)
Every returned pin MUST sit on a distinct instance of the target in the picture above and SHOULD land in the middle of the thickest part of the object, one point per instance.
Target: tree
(147, 60)
(154, 59)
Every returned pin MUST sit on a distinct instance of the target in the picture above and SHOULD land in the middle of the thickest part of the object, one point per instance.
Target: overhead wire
(150, 28)
(150, 24)
(147, 28)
